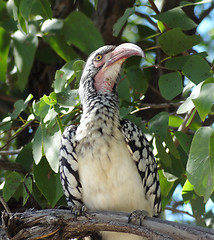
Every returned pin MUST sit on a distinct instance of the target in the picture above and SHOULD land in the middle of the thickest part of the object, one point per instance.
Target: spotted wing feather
(142, 155)
(69, 168)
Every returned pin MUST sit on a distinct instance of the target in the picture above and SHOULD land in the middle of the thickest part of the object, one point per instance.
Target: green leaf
(25, 8)
(40, 108)
(25, 157)
(68, 70)
(12, 183)
(184, 140)
(197, 69)
(167, 188)
(187, 191)
(204, 101)
(46, 8)
(171, 146)
(177, 63)
(19, 106)
(123, 90)
(163, 156)
(165, 185)
(68, 98)
(188, 105)
(75, 32)
(175, 121)
(170, 85)
(175, 41)
(78, 67)
(137, 79)
(24, 52)
(51, 99)
(22, 24)
(122, 20)
(48, 182)
(176, 17)
(51, 140)
(200, 171)
(50, 116)
(60, 46)
(159, 124)
(38, 145)
(4, 49)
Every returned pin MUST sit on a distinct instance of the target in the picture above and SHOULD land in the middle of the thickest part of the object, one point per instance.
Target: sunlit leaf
(51, 140)
(24, 53)
(37, 145)
(200, 171)
(4, 49)
(187, 191)
(204, 101)
(40, 108)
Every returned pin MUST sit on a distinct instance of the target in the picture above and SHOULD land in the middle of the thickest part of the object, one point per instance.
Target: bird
(106, 163)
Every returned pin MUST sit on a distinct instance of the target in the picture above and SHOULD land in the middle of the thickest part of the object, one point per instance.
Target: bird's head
(102, 69)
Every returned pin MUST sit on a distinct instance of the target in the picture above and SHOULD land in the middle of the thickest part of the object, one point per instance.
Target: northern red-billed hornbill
(106, 163)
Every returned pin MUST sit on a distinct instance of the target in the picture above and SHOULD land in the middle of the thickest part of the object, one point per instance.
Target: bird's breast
(108, 174)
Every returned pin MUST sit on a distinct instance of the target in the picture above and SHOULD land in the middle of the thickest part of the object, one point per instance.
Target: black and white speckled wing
(146, 164)
(69, 168)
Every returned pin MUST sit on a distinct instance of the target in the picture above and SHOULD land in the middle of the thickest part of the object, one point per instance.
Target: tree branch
(205, 13)
(10, 166)
(11, 152)
(61, 224)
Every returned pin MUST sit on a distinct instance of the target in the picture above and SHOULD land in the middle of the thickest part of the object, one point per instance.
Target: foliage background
(169, 94)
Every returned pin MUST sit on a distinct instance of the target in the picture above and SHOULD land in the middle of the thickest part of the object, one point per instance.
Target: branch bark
(61, 224)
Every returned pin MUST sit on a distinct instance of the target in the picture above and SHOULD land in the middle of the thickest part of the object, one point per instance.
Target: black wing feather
(146, 164)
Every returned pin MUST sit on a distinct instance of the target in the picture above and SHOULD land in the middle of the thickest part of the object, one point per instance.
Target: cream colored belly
(110, 180)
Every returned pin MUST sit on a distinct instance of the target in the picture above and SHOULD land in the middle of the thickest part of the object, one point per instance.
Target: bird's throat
(106, 78)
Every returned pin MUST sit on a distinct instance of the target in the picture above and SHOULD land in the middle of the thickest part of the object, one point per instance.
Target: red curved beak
(124, 51)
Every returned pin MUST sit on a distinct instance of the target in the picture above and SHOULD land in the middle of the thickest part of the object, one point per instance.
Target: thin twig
(184, 127)
(174, 210)
(145, 16)
(29, 123)
(157, 106)
(35, 203)
(11, 152)
(206, 13)
(4, 204)
(155, 9)
(6, 165)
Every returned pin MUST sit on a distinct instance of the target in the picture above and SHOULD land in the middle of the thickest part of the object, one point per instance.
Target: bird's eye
(98, 57)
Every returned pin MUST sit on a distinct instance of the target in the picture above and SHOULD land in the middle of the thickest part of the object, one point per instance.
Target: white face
(103, 66)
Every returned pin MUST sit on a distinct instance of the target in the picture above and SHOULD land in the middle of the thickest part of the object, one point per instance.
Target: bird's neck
(101, 112)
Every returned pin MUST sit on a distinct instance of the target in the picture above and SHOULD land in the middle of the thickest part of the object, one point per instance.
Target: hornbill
(106, 163)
